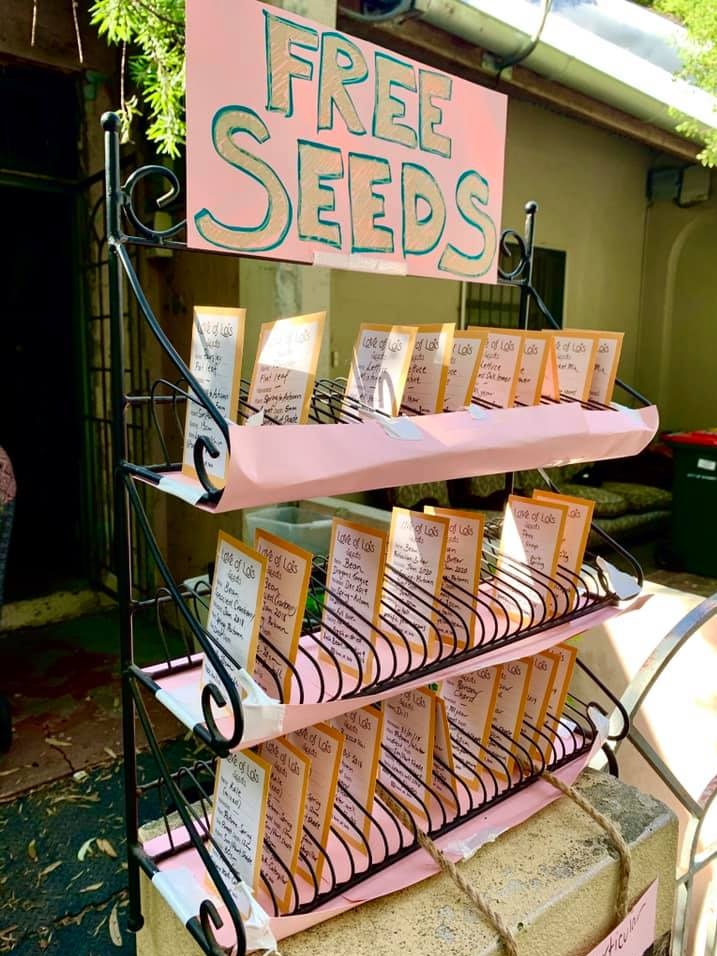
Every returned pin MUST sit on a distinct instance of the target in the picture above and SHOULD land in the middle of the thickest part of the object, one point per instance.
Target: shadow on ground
(63, 871)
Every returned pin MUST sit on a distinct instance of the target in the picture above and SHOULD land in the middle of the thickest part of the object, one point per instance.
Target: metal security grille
(97, 423)
(497, 305)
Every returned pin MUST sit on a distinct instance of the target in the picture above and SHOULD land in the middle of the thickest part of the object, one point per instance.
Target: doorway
(40, 373)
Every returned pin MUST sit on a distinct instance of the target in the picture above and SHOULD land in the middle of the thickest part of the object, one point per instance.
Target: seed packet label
(409, 728)
(542, 678)
(550, 378)
(285, 367)
(353, 593)
(241, 795)
(470, 701)
(286, 803)
(428, 371)
(499, 368)
(577, 527)
(466, 354)
(607, 360)
(233, 620)
(416, 556)
(444, 768)
(288, 569)
(379, 366)
(323, 745)
(215, 361)
(532, 369)
(462, 568)
(566, 656)
(532, 534)
(574, 363)
(509, 714)
(358, 772)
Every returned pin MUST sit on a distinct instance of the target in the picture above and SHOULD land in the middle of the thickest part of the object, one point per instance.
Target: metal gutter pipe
(576, 57)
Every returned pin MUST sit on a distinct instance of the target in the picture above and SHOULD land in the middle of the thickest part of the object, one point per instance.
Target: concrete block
(553, 879)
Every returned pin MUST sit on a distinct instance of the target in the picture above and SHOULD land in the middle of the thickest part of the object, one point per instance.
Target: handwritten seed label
(379, 367)
(532, 367)
(353, 588)
(233, 620)
(577, 527)
(409, 730)
(607, 360)
(575, 354)
(215, 361)
(358, 771)
(510, 711)
(428, 371)
(462, 568)
(466, 353)
(416, 556)
(532, 534)
(323, 745)
(238, 818)
(290, 769)
(470, 704)
(540, 689)
(288, 569)
(285, 367)
(565, 655)
(499, 368)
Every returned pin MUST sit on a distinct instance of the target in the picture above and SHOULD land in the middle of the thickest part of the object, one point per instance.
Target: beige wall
(590, 186)
(678, 319)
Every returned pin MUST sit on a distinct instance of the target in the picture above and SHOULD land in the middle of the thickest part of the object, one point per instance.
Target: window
(497, 305)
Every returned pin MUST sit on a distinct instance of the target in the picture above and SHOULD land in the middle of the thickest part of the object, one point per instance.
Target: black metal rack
(514, 604)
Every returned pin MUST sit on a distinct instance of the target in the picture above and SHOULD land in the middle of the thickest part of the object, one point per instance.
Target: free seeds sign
(307, 145)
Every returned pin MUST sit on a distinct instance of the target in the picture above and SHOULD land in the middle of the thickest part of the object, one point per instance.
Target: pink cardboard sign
(636, 934)
(308, 145)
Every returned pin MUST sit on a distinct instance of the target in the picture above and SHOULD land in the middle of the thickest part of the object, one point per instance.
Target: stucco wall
(678, 343)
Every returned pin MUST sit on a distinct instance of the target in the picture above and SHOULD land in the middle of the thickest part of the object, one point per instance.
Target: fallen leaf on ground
(111, 752)
(32, 850)
(106, 847)
(80, 776)
(114, 928)
(84, 849)
(99, 926)
(78, 798)
(92, 887)
(49, 869)
(56, 742)
(6, 773)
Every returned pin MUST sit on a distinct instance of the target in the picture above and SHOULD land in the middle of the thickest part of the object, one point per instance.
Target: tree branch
(159, 16)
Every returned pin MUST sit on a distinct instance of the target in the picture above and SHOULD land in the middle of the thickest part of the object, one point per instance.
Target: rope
(480, 903)
(621, 904)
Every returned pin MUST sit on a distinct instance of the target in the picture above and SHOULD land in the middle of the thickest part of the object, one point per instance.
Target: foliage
(153, 31)
(700, 61)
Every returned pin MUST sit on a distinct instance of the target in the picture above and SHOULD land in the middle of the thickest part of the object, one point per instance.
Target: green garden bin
(694, 501)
